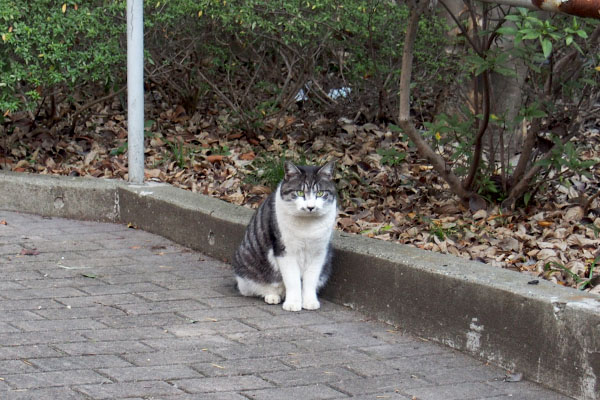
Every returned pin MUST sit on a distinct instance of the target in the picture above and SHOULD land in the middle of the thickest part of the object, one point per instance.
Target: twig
(93, 103)
(404, 119)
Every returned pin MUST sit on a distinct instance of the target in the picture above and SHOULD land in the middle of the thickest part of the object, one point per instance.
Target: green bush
(48, 44)
(254, 56)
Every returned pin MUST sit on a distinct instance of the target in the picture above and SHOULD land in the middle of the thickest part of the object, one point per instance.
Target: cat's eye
(300, 193)
(320, 194)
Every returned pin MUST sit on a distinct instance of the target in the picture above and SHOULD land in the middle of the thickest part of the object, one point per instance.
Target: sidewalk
(102, 311)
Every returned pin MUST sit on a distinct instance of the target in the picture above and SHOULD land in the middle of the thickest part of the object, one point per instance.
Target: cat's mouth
(310, 211)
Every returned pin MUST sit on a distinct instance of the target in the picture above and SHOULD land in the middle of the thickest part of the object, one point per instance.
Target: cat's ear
(326, 170)
(290, 170)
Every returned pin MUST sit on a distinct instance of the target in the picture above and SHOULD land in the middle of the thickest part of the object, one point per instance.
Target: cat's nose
(310, 208)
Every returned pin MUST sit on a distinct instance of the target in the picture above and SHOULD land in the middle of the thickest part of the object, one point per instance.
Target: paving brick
(56, 378)
(92, 301)
(146, 389)
(302, 318)
(10, 249)
(223, 384)
(219, 396)
(61, 245)
(310, 392)
(73, 281)
(271, 335)
(546, 395)
(265, 349)
(473, 390)
(96, 311)
(4, 327)
(413, 348)
(19, 275)
(353, 329)
(149, 332)
(35, 304)
(242, 367)
(66, 363)
(19, 315)
(27, 351)
(477, 373)
(299, 377)
(205, 396)
(171, 357)
(62, 393)
(384, 396)
(323, 358)
(128, 321)
(15, 367)
(110, 347)
(182, 294)
(152, 307)
(239, 313)
(162, 278)
(129, 288)
(324, 343)
(5, 286)
(46, 337)
(188, 343)
(214, 283)
(209, 328)
(391, 383)
(236, 302)
(524, 390)
(59, 325)
(426, 365)
(160, 372)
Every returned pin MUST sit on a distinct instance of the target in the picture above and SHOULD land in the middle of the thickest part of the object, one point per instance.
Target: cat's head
(308, 190)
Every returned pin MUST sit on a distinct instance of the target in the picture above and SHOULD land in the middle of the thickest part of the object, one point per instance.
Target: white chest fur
(304, 237)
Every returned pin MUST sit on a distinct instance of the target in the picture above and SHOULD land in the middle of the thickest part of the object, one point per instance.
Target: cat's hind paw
(272, 299)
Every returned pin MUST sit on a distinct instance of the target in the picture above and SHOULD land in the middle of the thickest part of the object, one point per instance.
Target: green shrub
(48, 44)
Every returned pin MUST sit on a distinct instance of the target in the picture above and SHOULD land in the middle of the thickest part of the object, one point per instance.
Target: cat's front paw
(292, 305)
(272, 299)
(311, 304)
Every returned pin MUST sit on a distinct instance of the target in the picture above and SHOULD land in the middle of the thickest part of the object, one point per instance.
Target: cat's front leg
(310, 280)
(290, 272)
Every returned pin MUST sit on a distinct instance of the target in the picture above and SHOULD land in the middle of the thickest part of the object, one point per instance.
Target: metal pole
(135, 90)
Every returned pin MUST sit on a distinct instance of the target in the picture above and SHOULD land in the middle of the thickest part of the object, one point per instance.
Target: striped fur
(286, 249)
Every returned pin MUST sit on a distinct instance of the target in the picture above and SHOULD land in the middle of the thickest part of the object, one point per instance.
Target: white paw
(292, 305)
(311, 304)
(272, 299)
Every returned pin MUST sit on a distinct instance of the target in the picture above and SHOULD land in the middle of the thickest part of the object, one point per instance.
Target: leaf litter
(386, 190)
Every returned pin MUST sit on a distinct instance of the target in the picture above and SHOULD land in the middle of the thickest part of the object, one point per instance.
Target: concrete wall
(549, 333)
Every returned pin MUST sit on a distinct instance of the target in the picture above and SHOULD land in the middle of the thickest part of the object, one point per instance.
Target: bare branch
(404, 120)
(580, 8)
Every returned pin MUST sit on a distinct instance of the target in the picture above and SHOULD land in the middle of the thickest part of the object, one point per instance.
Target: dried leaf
(477, 203)
(29, 252)
(509, 244)
(480, 214)
(213, 158)
(574, 214)
(516, 377)
(248, 156)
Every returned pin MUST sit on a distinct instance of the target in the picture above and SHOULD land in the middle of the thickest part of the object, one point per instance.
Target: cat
(286, 250)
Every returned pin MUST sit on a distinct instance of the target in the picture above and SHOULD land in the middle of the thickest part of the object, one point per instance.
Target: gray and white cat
(286, 250)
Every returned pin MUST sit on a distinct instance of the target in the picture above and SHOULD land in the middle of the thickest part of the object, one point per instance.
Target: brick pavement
(100, 311)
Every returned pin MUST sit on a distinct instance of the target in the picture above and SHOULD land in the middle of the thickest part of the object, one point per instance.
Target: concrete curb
(550, 333)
